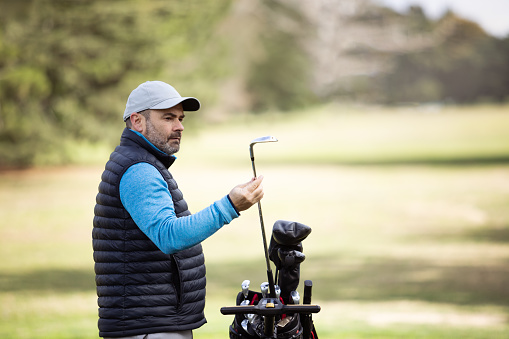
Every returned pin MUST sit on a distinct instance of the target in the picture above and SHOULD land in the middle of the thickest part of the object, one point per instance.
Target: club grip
(308, 286)
(237, 310)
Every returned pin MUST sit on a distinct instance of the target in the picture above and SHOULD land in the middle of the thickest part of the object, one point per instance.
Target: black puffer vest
(140, 289)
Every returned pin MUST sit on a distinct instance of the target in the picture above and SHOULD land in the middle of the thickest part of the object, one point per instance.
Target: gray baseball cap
(157, 95)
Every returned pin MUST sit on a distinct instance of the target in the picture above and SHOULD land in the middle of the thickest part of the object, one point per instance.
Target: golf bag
(285, 251)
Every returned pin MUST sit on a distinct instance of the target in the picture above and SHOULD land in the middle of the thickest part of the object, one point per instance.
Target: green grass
(408, 210)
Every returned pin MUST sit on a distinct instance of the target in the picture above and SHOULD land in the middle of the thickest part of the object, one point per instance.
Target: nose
(179, 126)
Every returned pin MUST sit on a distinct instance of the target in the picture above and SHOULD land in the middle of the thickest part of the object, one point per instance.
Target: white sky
(492, 15)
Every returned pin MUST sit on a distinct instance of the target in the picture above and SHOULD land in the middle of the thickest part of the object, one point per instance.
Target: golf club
(244, 324)
(295, 297)
(277, 289)
(264, 287)
(270, 277)
(245, 288)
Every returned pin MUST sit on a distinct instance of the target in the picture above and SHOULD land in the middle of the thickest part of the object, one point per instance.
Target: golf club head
(295, 297)
(264, 287)
(267, 138)
(244, 324)
(245, 288)
(278, 291)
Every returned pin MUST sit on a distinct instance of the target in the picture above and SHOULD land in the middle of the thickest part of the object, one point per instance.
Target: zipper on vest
(176, 281)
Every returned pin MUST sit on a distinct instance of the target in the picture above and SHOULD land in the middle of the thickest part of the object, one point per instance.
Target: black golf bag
(260, 315)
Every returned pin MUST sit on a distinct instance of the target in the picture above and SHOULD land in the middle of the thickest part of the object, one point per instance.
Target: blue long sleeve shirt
(145, 195)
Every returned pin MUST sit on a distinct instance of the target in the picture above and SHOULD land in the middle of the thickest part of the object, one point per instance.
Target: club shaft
(264, 236)
(270, 277)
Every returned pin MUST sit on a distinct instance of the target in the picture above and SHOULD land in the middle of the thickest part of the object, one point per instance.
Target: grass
(408, 210)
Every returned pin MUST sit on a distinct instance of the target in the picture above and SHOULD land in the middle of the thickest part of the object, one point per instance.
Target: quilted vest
(140, 289)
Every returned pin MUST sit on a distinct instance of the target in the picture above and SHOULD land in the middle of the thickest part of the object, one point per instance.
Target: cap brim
(188, 103)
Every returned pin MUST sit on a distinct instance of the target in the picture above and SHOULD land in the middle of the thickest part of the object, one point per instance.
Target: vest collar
(131, 138)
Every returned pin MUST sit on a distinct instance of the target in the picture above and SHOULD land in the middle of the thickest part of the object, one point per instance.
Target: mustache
(174, 135)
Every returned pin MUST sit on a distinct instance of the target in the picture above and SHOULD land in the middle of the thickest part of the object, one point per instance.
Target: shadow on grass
(334, 278)
(50, 280)
(486, 234)
(493, 234)
(382, 279)
(391, 279)
(406, 161)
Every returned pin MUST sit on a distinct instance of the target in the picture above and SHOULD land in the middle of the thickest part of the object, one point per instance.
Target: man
(149, 264)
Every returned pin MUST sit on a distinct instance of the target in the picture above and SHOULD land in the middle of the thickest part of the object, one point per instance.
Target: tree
(66, 66)
(464, 64)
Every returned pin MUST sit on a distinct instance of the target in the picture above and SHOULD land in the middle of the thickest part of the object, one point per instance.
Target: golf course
(409, 210)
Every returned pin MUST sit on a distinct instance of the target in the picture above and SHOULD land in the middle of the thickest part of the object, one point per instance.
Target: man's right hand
(246, 195)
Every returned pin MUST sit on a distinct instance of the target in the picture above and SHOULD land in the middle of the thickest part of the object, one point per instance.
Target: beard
(162, 142)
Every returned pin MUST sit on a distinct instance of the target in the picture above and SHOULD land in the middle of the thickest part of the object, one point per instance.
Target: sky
(491, 15)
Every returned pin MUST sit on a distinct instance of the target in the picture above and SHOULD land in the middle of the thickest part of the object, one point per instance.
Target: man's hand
(246, 195)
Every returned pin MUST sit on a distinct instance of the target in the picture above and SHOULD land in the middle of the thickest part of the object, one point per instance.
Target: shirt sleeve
(145, 195)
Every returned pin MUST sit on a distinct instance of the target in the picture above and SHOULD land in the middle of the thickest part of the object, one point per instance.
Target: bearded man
(149, 263)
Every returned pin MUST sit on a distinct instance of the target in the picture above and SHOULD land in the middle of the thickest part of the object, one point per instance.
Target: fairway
(409, 211)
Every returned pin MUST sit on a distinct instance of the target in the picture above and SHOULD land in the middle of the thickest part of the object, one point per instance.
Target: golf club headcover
(289, 232)
(290, 258)
(285, 250)
(284, 255)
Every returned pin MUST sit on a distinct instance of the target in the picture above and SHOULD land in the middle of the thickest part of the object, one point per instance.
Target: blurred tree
(495, 71)
(463, 64)
(279, 77)
(460, 50)
(411, 80)
(416, 20)
(65, 66)
(271, 65)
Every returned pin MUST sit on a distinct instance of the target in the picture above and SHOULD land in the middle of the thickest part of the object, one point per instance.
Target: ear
(138, 122)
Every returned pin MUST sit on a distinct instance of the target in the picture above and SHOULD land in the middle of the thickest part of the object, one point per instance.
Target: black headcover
(285, 250)
(289, 232)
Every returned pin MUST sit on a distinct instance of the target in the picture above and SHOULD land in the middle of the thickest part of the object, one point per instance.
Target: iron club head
(259, 140)
(267, 138)
(264, 287)
(277, 290)
(244, 324)
(245, 288)
(295, 297)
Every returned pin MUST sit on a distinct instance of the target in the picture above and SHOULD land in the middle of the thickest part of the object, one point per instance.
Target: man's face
(164, 128)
